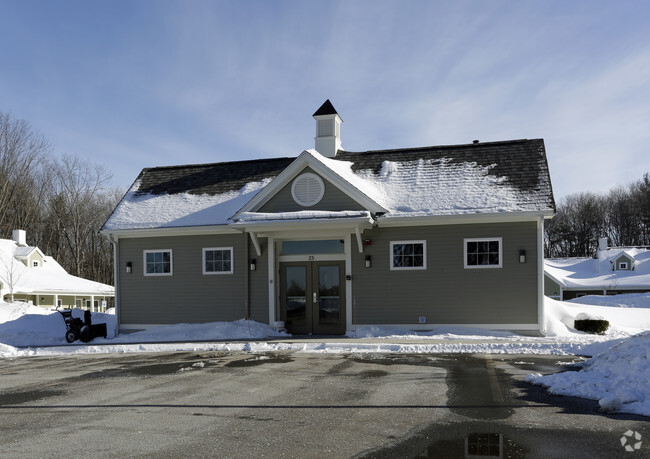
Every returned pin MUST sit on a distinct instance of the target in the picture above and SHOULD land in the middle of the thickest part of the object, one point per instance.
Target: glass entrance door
(312, 297)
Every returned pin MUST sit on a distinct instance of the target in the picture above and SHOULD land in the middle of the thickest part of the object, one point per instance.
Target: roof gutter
(460, 219)
(168, 231)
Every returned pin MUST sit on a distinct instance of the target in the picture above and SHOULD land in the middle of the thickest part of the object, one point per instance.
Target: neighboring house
(27, 274)
(613, 271)
(330, 240)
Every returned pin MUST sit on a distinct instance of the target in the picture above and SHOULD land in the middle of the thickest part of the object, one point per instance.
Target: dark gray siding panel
(188, 295)
(571, 294)
(551, 288)
(259, 291)
(446, 292)
(333, 199)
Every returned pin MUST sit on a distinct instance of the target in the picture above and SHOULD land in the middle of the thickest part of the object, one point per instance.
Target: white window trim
(171, 263)
(232, 261)
(483, 239)
(623, 265)
(408, 268)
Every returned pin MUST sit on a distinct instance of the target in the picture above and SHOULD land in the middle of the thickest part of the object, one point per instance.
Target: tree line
(60, 201)
(622, 215)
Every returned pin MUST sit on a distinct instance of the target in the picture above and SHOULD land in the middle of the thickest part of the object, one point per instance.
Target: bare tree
(10, 274)
(21, 151)
(74, 206)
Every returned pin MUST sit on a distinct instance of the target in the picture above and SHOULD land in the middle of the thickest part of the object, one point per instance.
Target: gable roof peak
(326, 109)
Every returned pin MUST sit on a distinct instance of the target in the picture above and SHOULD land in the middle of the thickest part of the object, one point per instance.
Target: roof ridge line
(447, 147)
(181, 166)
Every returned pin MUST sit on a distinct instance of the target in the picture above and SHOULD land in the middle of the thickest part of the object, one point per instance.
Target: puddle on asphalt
(258, 360)
(18, 398)
(487, 444)
(473, 390)
(373, 373)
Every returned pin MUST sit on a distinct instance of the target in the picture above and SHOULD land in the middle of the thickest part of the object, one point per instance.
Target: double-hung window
(408, 255)
(484, 253)
(217, 260)
(158, 262)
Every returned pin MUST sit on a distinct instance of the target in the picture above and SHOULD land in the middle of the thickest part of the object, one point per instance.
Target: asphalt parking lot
(298, 405)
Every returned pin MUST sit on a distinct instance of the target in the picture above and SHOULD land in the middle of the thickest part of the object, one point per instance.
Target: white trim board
(431, 220)
(170, 231)
(308, 158)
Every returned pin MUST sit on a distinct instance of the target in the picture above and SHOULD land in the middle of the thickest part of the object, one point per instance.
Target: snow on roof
(598, 273)
(138, 210)
(495, 177)
(301, 215)
(441, 187)
(23, 251)
(50, 277)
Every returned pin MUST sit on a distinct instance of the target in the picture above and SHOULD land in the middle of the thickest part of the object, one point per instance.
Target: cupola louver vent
(308, 189)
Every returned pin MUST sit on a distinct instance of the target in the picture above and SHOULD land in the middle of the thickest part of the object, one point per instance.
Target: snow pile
(24, 325)
(627, 300)
(618, 378)
(213, 331)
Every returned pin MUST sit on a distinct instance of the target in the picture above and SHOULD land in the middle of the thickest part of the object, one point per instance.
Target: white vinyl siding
(218, 260)
(483, 253)
(158, 262)
(406, 255)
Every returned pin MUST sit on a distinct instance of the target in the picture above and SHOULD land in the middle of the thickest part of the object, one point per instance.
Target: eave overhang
(265, 226)
(169, 231)
(459, 219)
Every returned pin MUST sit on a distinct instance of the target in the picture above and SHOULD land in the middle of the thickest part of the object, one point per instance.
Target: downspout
(540, 276)
(246, 280)
(116, 282)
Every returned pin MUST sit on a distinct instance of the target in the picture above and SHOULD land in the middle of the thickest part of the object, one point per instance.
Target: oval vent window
(307, 189)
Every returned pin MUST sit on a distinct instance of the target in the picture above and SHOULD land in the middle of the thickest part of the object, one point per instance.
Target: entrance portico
(310, 275)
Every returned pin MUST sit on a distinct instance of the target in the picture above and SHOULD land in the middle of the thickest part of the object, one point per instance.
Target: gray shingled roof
(212, 179)
(522, 162)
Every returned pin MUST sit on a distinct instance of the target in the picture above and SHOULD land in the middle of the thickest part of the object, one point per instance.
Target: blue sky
(133, 84)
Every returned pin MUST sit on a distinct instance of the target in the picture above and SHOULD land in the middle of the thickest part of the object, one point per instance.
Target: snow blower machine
(84, 330)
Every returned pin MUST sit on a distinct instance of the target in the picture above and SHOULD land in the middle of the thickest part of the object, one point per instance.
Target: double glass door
(312, 297)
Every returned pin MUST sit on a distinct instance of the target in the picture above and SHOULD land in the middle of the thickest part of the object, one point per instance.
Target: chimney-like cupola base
(20, 237)
(328, 130)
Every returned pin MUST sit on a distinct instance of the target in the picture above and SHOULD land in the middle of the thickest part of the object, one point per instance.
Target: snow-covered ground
(618, 376)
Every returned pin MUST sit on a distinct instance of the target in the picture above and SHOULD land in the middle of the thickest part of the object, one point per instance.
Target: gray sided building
(332, 240)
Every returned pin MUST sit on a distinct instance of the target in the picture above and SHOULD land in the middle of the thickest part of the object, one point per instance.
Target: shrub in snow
(598, 326)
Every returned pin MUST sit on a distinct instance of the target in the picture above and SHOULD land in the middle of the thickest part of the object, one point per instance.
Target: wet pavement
(288, 404)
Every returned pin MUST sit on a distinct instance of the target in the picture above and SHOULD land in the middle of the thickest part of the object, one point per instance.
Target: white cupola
(328, 130)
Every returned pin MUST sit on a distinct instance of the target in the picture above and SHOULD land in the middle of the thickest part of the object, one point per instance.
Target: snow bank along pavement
(618, 376)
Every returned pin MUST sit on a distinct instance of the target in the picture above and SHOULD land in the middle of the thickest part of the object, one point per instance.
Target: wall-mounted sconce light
(368, 242)
(253, 264)
(367, 261)
(522, 256)
(129, 267)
